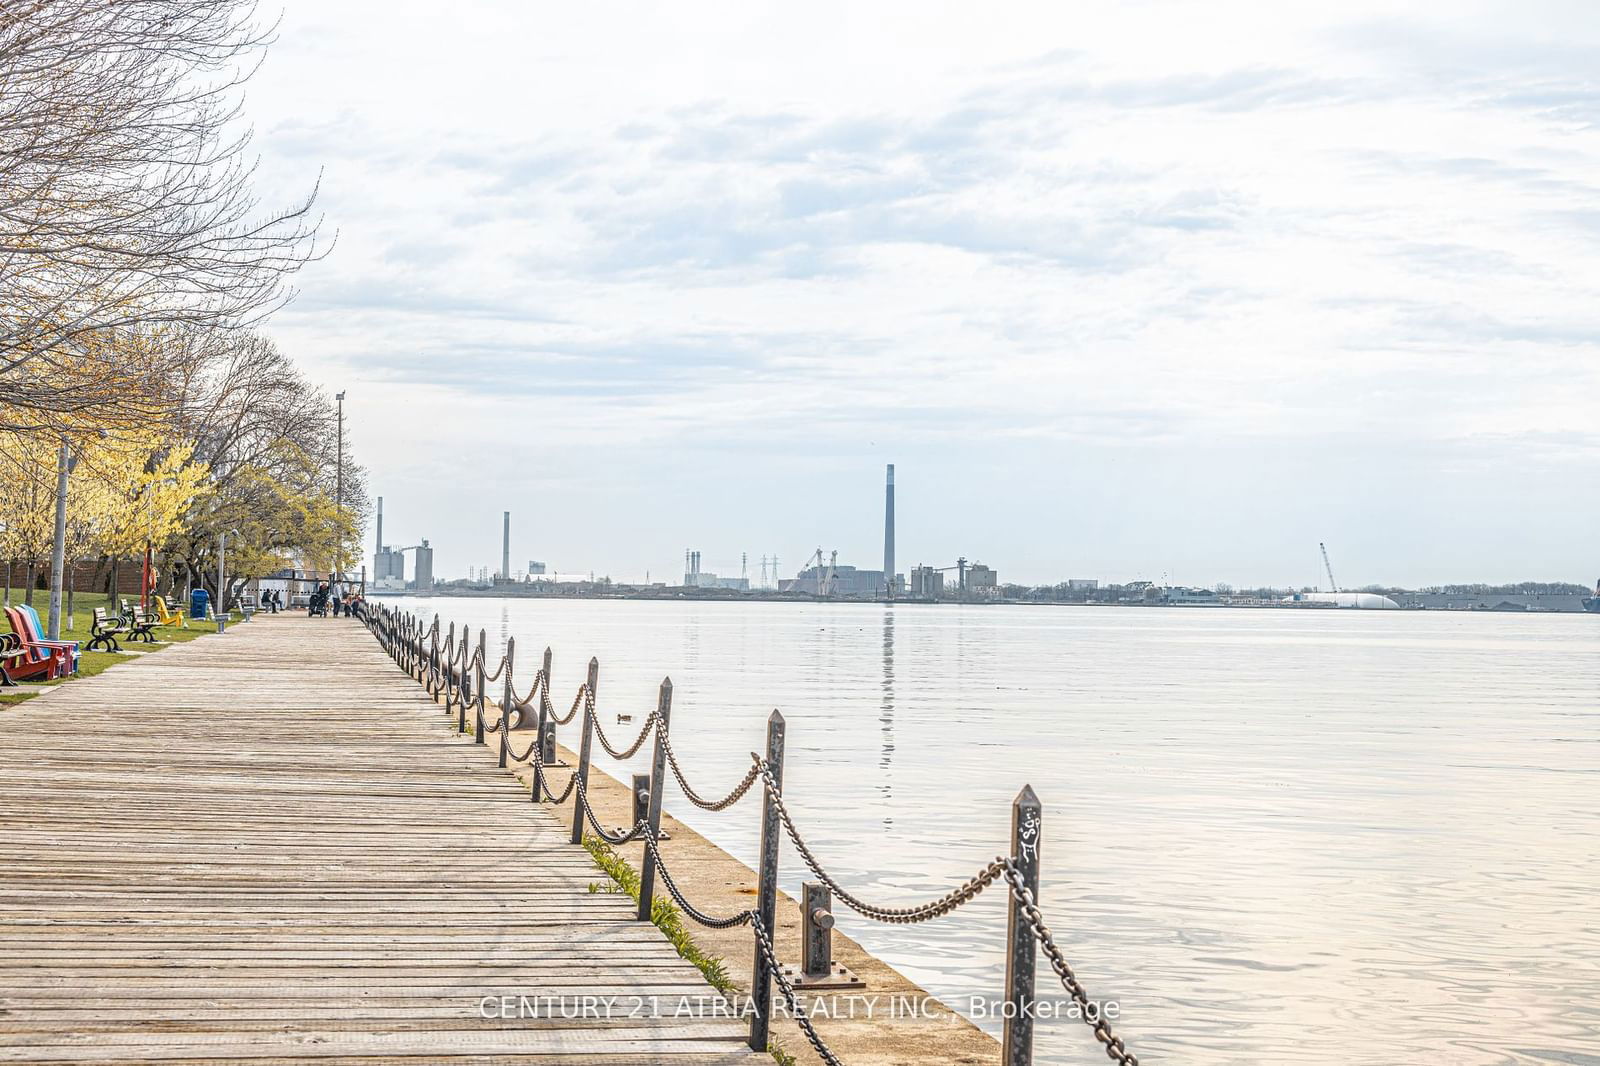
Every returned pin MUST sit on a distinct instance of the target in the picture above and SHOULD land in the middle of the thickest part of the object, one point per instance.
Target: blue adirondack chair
(37, 636)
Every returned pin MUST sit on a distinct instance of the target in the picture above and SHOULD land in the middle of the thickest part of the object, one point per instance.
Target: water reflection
(1282, 837)
(886, 720)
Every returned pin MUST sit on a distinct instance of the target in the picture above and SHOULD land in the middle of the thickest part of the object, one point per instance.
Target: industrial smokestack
(377, 565)
(505, 550)
(888, 533)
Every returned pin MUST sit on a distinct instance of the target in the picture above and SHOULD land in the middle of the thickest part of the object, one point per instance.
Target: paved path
(269, 846)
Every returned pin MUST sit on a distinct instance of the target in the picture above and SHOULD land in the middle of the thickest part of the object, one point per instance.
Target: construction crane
(1333, 586)
(828, 571)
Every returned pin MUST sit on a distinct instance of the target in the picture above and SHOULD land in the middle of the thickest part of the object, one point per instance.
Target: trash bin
(199, 604)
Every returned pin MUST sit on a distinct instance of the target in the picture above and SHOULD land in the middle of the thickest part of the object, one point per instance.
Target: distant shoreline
(1458, 604)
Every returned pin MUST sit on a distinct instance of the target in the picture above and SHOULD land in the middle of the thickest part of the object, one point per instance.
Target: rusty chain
(790, 999)
(644, 734)
(688, 908)
(704, 804)
(1000, 867)
(898, 915)
(1116, 1050)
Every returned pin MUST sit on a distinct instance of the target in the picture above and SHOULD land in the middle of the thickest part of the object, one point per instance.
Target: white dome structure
(1361, 601)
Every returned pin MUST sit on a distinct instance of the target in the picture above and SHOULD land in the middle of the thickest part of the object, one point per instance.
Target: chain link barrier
(694, 797)
(633, 749)
(1001, 867)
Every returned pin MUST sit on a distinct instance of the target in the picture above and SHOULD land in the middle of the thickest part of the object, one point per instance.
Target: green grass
(666, 917)
(75, 626)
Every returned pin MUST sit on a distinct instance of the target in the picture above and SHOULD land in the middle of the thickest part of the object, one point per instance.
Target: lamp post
(338, 487)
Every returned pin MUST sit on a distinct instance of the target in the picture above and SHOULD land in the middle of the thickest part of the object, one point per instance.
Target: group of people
(272, 601)
(336, 600)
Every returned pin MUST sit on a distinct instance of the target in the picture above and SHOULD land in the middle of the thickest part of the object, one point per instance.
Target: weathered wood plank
(271, 847)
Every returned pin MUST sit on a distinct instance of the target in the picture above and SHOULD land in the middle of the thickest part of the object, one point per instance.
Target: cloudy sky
(1171, 289)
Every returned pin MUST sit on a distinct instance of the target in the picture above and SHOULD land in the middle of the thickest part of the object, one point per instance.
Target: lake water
(1271, 836)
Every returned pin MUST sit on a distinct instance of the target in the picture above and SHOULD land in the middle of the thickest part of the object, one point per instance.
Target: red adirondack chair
(30, 618)
(38, 662)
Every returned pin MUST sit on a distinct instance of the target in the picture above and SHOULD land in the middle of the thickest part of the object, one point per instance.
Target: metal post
(1016, 1044)
(640, 808)
(505, 704)
(338, 492)
(658, 775)
(477, 733)
(450, 658)
(222, 580)
(461, 681)
(433, 657)
(58, 551)
(544, 702)
(816, 923)
(767, 889)
(583, 752)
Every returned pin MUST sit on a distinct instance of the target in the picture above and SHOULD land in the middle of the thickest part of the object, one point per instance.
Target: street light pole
(58, 553)
(338, 491)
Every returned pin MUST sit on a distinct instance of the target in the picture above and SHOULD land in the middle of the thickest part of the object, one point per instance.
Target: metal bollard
(816, 923)
(1016, 1043)
(547, 744)
(652, 812)
(767, 890)
(583, 753)
(641, 800)
(817, 969)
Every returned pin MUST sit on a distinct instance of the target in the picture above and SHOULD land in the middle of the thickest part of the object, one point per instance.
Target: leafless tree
(126, 195)
(251, 413)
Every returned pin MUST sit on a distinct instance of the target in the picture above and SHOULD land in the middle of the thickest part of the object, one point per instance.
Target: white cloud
(632, 251)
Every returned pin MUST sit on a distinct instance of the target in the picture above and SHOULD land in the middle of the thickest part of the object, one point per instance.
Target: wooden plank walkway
(269, 846)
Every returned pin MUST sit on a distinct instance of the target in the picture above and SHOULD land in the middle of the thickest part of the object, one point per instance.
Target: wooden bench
(139, 623)
(104, 629)
(10, 649)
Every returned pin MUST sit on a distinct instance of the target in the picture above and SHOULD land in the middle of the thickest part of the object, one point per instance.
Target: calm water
(1274, 837)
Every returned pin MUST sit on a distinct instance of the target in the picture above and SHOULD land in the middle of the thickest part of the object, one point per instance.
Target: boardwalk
(269, 846)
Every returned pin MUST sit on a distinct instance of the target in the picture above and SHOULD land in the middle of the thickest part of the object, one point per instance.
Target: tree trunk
(28, 593)
(9, 564)
(72, 579)
(112, 602)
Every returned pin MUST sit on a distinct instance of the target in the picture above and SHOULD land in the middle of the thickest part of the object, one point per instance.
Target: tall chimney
(505, 550)
(888, 534)
(377, 559)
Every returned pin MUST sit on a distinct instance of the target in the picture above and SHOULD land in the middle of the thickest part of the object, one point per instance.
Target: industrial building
(389, 564)
(696, 578)
(424, 579)
(926, 583)
(831, 579)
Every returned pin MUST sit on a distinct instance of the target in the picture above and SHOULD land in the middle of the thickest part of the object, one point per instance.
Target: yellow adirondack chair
(165, 616)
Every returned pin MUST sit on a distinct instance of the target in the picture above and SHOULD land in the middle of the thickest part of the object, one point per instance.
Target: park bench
(42, 662)
(139, 624)
(10, 649)
(36, 635)
(104, 630)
